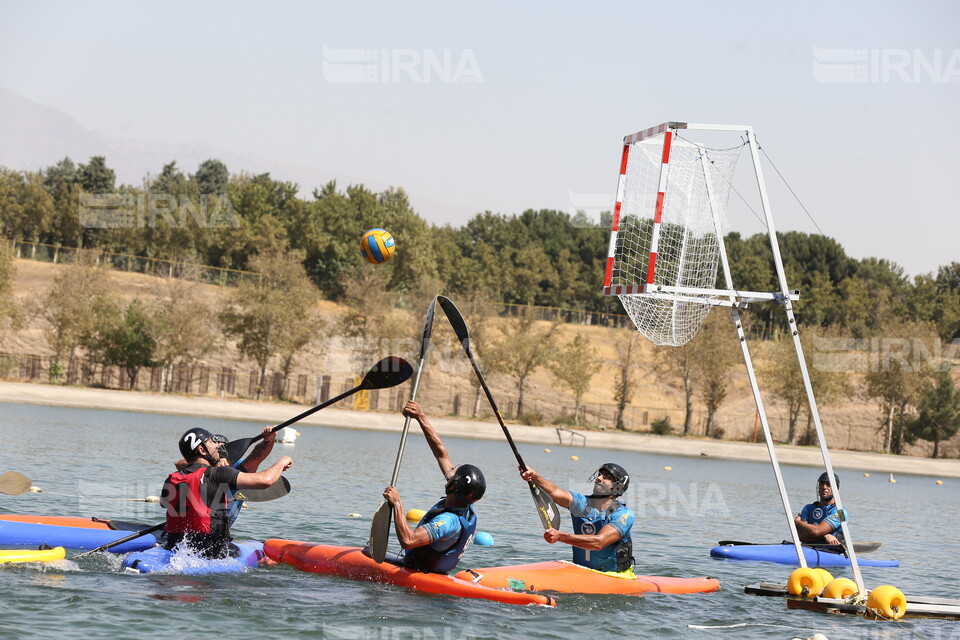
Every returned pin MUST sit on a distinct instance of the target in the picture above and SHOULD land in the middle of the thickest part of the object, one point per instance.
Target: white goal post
(668, 265)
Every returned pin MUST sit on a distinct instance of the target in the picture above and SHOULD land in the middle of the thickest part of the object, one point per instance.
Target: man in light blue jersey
(819, 522)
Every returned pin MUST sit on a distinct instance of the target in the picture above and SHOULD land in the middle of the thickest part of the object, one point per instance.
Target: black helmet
(191, 441)
(621, 479)
(467, 483)
(825, 479)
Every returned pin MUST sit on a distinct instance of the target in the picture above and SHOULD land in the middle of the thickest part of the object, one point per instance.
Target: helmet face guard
(619, 476)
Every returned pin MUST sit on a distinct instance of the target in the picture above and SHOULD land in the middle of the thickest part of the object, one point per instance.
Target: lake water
(86, 459)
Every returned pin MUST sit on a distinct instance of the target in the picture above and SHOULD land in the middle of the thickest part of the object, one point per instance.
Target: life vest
(431, 560)
(189, 517)
(614, 557)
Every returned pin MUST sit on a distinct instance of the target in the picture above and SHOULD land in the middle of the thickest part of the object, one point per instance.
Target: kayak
(32, 555)
(76, 521)
(34, 534)
(567, 577)
(859, 547)
(159, 559)
(787, 554)
(350, 562)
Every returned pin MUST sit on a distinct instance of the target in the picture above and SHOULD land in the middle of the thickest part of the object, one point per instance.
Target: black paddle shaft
(116, 543)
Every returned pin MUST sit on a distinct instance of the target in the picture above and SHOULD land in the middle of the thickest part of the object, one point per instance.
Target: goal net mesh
(688, 249)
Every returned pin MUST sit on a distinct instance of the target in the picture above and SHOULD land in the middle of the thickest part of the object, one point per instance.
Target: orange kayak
(566, 577)
(350, 562)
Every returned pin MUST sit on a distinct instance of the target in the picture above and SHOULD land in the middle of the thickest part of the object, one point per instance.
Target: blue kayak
(159, 559)
(31, 534)
(787, 554)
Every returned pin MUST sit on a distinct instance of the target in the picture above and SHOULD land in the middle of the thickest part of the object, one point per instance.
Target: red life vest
(187, 512)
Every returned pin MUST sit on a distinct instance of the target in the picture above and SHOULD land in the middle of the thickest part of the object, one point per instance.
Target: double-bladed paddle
(116, 543)
(859, 547)
(278, 489)
(380, 525)
(389, 372)
(13, 483)
(546, 508)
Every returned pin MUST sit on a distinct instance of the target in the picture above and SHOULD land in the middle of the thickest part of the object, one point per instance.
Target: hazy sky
(510, 105)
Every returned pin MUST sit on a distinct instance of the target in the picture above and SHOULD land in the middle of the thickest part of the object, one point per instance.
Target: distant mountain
(34, 136)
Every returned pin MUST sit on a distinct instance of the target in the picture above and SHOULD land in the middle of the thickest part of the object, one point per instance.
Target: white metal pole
(792, 325)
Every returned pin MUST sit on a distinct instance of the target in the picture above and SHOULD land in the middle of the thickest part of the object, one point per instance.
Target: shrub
(530, 418)
(661, 427)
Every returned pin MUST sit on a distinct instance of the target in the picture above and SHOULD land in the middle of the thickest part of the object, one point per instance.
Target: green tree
(123, 339)
(628, 349)
(96, 176)
(182, 329)
(573, 368)
(212, 177)
(524, 348)
(715, 351)
(678, 363)
(938, 411)
(261, 311)
(11, 311)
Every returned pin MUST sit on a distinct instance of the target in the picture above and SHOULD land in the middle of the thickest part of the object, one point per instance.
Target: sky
(506, 106)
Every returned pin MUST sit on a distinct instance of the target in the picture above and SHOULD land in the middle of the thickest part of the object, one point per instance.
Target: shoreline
(268, 412)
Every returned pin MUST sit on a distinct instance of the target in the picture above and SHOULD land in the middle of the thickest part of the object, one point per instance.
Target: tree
(182, 329)
(70, 310)
(212, 177)
(262, 310)
(938, 411)
(627, 349)
(371, 320)
(678, 362)
(11, 311)
(96, 176)
(524, 349)
(574, 367)
(123, 339)
(715, 350)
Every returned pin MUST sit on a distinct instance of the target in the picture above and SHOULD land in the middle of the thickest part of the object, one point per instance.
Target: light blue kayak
(787, 554)
(162, 560)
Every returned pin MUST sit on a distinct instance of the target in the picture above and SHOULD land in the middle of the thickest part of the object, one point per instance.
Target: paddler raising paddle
(819, 521)
(601, 523)
(195, 497)
(446, 530)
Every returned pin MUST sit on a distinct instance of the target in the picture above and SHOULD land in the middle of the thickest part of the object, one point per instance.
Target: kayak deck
(351, 562)
(31, 534)
(566, 577)
(159, 559)
(787, 554)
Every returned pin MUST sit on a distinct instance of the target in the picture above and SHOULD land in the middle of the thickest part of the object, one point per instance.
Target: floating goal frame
(730, 297)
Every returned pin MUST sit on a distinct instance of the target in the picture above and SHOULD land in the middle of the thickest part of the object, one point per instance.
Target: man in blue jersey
(601, 523)
(819, 522)
(446, 530)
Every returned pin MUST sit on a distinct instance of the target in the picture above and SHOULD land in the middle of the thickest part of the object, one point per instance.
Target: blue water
(87, 461)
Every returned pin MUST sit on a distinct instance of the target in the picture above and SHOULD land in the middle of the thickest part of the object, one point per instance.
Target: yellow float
(825, 576)
(32, 555)
(887, 602)
(805, 582)
(839, 589)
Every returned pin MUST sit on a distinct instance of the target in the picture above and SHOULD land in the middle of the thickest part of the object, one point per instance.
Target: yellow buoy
(887, 601)
(546, 450)
(839, 589)
(668, 468)
(825, 576)
(939, 481)
(351, 515)
(805, 582)
(574, 458)
(892, 479)
(866, 475)
(415, 515)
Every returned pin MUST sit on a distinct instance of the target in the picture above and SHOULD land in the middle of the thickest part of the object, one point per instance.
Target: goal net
(667, 232)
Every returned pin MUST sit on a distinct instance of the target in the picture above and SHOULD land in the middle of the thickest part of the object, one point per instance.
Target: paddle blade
(546, 508)
(380, 532)
(389, 372)
(236, 449)
(13, 483)
(278, 489)
(456, 320)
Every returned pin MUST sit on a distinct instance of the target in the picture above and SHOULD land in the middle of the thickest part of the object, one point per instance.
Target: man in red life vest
(196, 497)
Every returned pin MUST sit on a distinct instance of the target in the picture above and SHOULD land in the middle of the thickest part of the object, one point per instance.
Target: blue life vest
(605, 559)
(431, 560)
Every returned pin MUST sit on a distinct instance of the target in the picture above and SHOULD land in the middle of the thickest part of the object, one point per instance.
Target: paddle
(859, 547)
(380, 525)
(278, 489)
(116, 543)
(546, 509)
(13, 483)
(389, 372)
